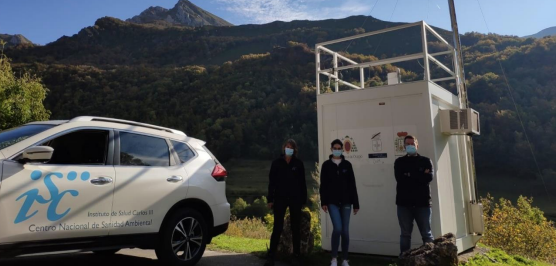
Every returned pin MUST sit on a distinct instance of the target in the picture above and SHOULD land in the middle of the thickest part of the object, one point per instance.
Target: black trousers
(279, 207)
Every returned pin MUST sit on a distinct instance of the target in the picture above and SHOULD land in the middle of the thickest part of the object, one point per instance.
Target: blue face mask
(289, 152)
(337, 153)
(411, 149)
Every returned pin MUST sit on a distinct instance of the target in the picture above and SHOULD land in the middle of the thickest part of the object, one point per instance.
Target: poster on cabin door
(367, 146)
(400, 132)
(371, 152)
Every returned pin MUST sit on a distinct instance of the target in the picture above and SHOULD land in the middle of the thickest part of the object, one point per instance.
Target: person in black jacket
(287, 188)
(414, 173)
(338, 192)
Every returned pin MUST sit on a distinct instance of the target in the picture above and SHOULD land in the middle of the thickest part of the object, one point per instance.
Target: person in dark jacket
(338, 193)
(287, 188)
(414, 173)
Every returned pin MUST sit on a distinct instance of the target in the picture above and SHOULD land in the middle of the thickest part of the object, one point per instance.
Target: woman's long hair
(293, 144)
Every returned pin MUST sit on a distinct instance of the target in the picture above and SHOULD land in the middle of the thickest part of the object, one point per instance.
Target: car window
(88, 147)
(184, 152)
(12, 136)
(143, 150)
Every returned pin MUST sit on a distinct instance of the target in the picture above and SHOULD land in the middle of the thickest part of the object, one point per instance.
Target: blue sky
(44, 21)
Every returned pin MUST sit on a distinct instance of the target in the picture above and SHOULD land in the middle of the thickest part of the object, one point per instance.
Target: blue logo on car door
(33, 196)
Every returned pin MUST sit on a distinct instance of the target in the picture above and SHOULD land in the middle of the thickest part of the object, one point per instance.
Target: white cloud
(348, 8)
(264, 11)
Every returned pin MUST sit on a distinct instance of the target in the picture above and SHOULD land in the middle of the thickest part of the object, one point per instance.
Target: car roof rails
(125, 122)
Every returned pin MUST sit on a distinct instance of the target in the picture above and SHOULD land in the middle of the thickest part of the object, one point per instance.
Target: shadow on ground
(138, 257)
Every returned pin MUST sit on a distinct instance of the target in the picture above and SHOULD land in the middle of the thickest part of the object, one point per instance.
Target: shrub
(315, 227)
(519, 230)
(238, 207)
(269, 221)
(259, 208)
(496, 257)
(315, 213)
(248, 228)
(315, 224)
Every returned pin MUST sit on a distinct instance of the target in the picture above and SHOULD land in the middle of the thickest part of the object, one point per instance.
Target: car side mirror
(37, 154)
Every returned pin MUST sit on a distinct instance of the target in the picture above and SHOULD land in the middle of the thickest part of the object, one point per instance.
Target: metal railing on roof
(332, 73)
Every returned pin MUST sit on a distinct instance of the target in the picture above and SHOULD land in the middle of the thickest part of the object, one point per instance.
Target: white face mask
(289, 152)
(411, 149)
(337, 153)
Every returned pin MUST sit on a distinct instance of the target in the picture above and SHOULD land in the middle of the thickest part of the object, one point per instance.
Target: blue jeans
(340, 220)
(421, 215)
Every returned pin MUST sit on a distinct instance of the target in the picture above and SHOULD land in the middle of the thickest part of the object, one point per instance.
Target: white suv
(101, 184)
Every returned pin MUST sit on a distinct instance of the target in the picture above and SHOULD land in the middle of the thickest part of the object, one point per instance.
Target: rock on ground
(442, 251)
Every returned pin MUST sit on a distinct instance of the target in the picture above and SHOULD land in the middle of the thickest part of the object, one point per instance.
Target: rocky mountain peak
(183, 13)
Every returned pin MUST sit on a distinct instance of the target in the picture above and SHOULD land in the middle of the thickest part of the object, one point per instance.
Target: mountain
(184, 13)
(543, 33)
(246, 88)
(115, 42)
(15, 40)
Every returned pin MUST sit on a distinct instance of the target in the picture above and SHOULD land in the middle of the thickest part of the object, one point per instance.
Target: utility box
(394, 78)
(458, 122)
(372, 123)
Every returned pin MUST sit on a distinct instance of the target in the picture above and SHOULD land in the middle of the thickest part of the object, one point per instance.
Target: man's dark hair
(336, 141)
(410, 137)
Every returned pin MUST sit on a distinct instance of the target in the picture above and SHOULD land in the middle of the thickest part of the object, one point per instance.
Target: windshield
(12, 136)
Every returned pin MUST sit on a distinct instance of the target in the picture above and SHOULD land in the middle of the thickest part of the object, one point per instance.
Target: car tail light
(219, 172)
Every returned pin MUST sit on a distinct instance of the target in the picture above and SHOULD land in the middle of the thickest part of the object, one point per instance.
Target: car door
(149, 181)
(69, 196)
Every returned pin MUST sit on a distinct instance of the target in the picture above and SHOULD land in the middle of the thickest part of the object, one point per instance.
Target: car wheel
(106, 252)
(183, 239)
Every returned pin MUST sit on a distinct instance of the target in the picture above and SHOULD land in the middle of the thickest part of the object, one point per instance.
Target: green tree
(21, 98)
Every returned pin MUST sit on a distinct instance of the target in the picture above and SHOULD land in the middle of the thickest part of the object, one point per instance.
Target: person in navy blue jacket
(338, 193)
(414, 173)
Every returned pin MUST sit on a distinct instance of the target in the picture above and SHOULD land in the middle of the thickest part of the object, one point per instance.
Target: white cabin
(373, 122)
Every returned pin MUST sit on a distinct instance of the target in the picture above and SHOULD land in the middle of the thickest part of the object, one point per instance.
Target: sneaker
(345, 263)
(334, 262)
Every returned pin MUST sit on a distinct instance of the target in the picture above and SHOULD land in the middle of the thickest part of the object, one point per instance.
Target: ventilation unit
(460, 122)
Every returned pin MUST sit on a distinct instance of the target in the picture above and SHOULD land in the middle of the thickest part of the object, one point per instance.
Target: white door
(69, 196)
(149, 181)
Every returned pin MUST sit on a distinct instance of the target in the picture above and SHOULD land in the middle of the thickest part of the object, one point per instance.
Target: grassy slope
(497, 257)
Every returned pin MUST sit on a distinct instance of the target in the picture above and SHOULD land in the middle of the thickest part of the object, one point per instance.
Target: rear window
(184, 152)
(12, 136)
